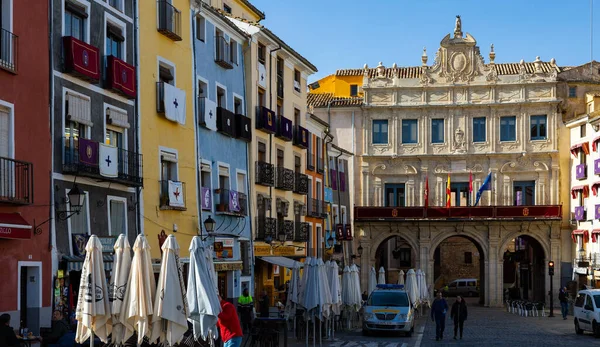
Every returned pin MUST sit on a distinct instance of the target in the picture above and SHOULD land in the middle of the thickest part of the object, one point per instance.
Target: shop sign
(229, 266)
(108, 243)
(79, 243)
(596, 274)
(262, 251)
(328, 195)
(285, 250)
(223, 248)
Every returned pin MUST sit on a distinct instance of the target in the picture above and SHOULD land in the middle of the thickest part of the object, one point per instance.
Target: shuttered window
(4, 133)
(118, 218)
(78, 109)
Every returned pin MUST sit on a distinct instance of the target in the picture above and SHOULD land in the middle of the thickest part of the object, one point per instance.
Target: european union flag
(487, 185)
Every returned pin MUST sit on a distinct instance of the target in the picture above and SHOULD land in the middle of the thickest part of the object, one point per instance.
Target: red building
(25, 171)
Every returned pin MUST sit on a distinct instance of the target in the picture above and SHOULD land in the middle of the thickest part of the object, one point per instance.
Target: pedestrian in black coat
(439, 307)
(459, 315)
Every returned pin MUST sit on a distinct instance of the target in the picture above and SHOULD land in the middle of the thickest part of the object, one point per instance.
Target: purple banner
(234, 202)
(88, 152)
(342, 182)
(597, 214)
(333, 179)
(285, 129)
(206, 199)
(519, 196)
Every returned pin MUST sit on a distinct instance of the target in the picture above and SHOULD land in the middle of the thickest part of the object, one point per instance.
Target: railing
(129, 163)
(231, 202)
(169, 20)
(320, 165)
(285, 228)
(280, 86)
(174, 200)
(223, 54)
(285, 179)
(542, 212)
(16, 181)
(265, 175)
(266, 228)
(8, 50)
(301, 232)
(301, 183)
(316, 208)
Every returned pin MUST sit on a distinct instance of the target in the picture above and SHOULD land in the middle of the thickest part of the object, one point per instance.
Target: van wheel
(596, 329)
(409, 334)
(578, 330)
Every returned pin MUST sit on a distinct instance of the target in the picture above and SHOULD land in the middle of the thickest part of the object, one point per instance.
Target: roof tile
(323, 99)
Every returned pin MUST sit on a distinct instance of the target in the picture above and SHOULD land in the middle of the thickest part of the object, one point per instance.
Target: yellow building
(340, 84)
(167, 126)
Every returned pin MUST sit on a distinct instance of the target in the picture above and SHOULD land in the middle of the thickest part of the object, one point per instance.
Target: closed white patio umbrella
(412, 288)
(138, 304)
(93, 308)
(118, 286)
(381, 278)
(169, 321)
(293, 296)
(346, 283)
(334, 287)
(202, 291)
(423, 291)
(401, 277)
(356, 298)
(372, 279)
(324, 292)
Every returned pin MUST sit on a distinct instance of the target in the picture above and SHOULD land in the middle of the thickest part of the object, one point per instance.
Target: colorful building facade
(317, 208)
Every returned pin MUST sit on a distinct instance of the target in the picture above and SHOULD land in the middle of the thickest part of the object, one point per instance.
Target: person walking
(459, 315)
(246, 305)
(439, 308)
(229, 325)
(563, 297)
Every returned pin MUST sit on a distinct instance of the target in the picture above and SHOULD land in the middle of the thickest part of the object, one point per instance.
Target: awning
(283, 261)
(585, 147)
(584, 189)
(584, 233)
(595, 143)
(595, 233)
(13, 226)
(575, 149)
(75, 262)
(595, 186)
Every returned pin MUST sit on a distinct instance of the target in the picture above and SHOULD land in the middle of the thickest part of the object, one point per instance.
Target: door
(30, 298)
(460, 194)
(524, 193)
(222, 283)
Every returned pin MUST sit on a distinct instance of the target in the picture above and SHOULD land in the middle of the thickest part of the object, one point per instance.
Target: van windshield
(381, 298)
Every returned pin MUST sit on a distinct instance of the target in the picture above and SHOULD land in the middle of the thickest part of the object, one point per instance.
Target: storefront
(272, 276)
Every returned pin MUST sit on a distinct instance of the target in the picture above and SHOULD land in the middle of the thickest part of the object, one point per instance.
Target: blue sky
(336, 34)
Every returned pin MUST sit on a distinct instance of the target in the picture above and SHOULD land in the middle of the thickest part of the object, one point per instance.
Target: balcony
(310, 161)
(597, 167)
(16, 182)
(266, 228)
(301, 184)
(285, 130)
(301, 232)
(265, 174)
(581, 171)
(172, 195)
(169, 20)
(243, 128)
(316, 208)
(223, 54)
(81, 60)
(265, 120)
(231, 202)
(225, 122)
(301, 136)
(297, 86)
(539, 212)
(120, 77)
(8, 50)
(279, 86)
(320, 165)
(286, 228)
(82, 157)
(580, 213)
(285, 179)
(202, 116)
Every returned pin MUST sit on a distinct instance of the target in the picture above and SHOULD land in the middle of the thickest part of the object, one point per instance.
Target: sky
(343, 34)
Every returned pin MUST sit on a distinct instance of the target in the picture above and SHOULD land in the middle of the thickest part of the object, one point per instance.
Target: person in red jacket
(229, 325)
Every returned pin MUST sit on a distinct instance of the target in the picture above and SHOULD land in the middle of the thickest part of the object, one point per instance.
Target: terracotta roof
(220, 14)
(260, 13)
(323, 100)
(513, 68)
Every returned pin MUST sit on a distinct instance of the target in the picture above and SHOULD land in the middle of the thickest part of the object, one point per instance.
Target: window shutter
(117, 118)
(223, 171)
(204, 167)
(116, 32)
(165, 73)
(4, 133)
(79, 110)
(170, 157)
(77, 9)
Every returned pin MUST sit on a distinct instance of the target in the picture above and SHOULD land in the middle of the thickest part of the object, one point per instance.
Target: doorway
(222, 283)
(30, 295)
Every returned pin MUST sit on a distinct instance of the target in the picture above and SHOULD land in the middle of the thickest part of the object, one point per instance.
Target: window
(6, 136)
(75, 16)
(538, 127)
(380, 131)
(116, 4)
(582, 129)
(280, 156)
(117, 216)
(233, 51)
(114, 41)
(297, 164)
(262, 52)
(479, 133)
(342, 175)
(237, 105)
(246, 259)
(507, 128)
(261, 97)
(409, 131)
(404, 255)
(201, 28)
(221, 98)
(166, 74)
(354, 90)
(79, 222)
(77, 119)
(468, 257)
(114, 137)
(310, 188)
(320, 163)
(459, 194)
(224, 177)
(437, 131)
(279, 107)
(297, 120)
(262, 152)
(524, 193)
(394, 195)
(168, 166)
(226, 8)
(572, 92)
(297, 80)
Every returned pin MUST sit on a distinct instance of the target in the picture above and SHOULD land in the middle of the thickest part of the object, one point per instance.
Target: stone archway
(384, 256)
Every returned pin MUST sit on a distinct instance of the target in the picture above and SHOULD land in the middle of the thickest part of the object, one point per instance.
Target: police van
(388, 308)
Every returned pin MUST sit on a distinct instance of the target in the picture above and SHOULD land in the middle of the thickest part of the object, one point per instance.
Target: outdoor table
(26, 341)
(267, 332)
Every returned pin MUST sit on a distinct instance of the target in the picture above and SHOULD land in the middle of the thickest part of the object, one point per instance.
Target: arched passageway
(524, 275)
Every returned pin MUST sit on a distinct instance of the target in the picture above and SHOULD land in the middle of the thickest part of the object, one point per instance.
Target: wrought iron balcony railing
(266, 228)
(317, 208)
(231, 202)
(172, 195)
(265, 174)
(301, 232)
(169, 20)
(223, 54)
(285, 179)
(285, 228)
(16, 181)
(8, 50)
(301, 183)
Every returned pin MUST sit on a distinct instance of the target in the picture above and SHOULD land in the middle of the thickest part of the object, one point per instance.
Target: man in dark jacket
(564, 302)
(264, 304)
(59, 328)
(459, 315)
(7, 333)
(438, 313)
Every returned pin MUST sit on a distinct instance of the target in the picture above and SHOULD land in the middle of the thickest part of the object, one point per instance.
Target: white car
(388, 309)
(587, 311)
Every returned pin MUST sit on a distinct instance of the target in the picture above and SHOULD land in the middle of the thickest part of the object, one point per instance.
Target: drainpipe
(271, 108)
(329, 140)
(196, 140)
(337, 168)
(52, 227)
(136, 123)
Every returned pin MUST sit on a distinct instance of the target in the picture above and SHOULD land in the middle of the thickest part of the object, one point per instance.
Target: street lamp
(551, 274)
(281, 238)
(209, 225)
(76, 199)
(330, 241)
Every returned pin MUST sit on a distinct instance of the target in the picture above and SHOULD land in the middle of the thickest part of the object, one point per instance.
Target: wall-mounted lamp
(330, 241)
(209, 226)
(75, 199)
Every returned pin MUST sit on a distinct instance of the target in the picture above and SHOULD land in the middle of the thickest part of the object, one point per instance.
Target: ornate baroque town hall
(445, 122)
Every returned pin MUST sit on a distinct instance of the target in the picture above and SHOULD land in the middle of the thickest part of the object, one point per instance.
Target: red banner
(121, 76)
(13, 226)
(81, 58)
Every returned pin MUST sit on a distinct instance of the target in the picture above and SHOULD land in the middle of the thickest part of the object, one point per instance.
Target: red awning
(584, 189)
(585, 147)
(582, 232)
(575, 149)
(595, 188)
(595, 233)
(595, 143)
(13, 226)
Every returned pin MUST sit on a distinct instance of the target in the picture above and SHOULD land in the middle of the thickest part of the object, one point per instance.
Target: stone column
(494, 277)
(365, 260)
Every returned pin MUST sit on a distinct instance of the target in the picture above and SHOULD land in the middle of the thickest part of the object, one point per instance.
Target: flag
(426, 193)
(470, 188)
(176, 194)
(210, 114)
(448, 192)
(174, 100)
(109, 161)
(487, 185)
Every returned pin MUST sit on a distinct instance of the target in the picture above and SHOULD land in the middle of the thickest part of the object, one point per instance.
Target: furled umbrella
(309, 294)
(401, 277)
(372, 279)
(324, 292)
(118, 286)
(334, 287)
(381, 278)
(423, 291)
(346, 280)
(138, 304)
(292, 297)
(356, 293)
(169, 321)
(93, 308)
(412, 288)
(202, 291)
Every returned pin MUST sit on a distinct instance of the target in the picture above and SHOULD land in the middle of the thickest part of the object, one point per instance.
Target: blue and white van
(388, 309)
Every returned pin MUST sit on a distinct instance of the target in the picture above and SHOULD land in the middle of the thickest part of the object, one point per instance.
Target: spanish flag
(448, 192)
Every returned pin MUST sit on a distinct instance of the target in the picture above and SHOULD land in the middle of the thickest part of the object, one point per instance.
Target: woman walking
(459, 315)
